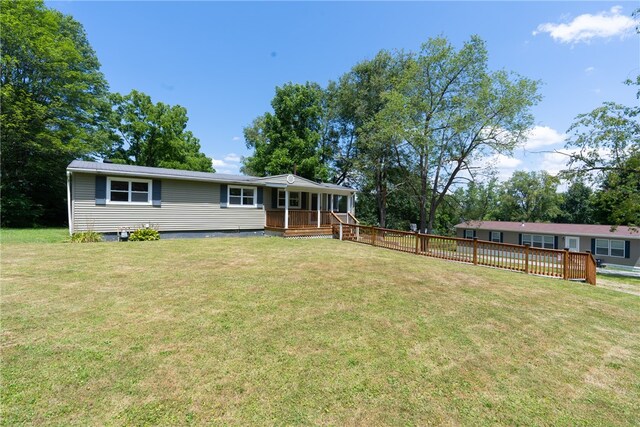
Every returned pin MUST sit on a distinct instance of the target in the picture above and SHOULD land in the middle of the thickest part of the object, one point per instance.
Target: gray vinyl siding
(186, 206)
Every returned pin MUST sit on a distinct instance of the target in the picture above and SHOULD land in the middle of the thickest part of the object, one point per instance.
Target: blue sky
(222, 61)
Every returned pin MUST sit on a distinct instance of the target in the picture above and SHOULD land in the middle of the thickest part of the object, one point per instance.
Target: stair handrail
(353, 217)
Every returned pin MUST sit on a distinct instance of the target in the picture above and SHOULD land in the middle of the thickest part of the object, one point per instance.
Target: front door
(573, 243)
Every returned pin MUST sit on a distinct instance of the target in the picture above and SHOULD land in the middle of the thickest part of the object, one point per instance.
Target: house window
(122, 190)
(614, 248)
(242, 196)
(468, 234)
(495, 236)
(294, 199)
(538, 241)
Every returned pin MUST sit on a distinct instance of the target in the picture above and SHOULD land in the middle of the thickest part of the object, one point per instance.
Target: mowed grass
(273, 331)
(34, 235)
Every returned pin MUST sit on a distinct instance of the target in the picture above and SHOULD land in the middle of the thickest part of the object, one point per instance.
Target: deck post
(318, 208)
(526, 259)
(340, 231)
(475, 251)
(565, 259)
(417, 243)
(286, 209)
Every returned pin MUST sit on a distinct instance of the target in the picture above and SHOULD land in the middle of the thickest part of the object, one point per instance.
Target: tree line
(55, 106)
(410, 130)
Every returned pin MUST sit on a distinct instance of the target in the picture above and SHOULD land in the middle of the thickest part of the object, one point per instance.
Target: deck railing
(299, 218)
(544, 262)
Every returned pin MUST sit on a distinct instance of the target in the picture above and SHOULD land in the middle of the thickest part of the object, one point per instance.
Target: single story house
(110, 197)
(619, 246)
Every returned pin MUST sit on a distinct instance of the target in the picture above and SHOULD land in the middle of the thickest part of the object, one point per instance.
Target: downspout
(69, 204)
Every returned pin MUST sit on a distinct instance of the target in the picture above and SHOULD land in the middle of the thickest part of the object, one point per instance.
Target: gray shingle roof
(120, 169)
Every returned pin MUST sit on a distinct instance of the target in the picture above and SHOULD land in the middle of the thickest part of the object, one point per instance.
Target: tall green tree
(153, 134)
(290, 138)
(53, 101)
(448, 109)
(618, 201)
(529, 197)
(478, 200)
(577, 206)
(364, 151)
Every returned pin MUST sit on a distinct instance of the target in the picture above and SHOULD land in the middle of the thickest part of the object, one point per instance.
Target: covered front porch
(296, 211)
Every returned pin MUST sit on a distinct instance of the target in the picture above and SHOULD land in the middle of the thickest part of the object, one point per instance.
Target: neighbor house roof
(551, 228)
(149, 172)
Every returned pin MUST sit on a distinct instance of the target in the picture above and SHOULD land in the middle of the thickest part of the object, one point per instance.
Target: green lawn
(34, 235)
(272, 331)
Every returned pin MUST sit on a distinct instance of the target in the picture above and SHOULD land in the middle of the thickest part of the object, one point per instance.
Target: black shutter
(156, 192)
(260, 201)
(520, 238)
(274, 198)
(475, 233)
(593, 246)
(627, 248)
(223, 196)
(101, 190)
(501, 237)
(303, 205)
(555, 242)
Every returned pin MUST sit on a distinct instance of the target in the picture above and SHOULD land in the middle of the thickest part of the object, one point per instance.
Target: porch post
(286, 208)
(331, 202)
(318, 207)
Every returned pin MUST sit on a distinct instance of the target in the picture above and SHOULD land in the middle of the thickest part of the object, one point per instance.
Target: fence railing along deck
(544, 262)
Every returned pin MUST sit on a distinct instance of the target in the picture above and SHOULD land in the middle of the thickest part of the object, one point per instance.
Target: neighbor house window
(242, 196)
(613, 248)
(538, 241)
(495, 236)
(128, 190)
(294, 199)
(468, 234)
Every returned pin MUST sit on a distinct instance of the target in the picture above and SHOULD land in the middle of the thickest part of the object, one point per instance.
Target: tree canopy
(155, 135)
(290, 138)
(53, 98)
(55, 107)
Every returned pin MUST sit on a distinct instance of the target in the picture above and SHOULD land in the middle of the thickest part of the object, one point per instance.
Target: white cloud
(583, 28)
(554, 162)
(236, 138)
(543, 136)
(217, 163)
(230, 164)
(232, 157)
(589, 70)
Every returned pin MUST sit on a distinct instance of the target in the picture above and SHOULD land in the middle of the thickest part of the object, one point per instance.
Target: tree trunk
(381, 187)
(423, 194)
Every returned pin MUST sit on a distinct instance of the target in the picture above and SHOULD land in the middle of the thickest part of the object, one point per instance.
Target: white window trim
(624, 248)
(499, 235)
(242, 188)
(291, 207)
(129, 180)
(542, 242)
(468, 231)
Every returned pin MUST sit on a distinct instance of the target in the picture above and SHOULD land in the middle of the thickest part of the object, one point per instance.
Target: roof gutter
(152, 175)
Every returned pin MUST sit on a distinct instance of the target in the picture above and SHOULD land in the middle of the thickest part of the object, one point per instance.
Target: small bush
(144, 234)
(86, 237)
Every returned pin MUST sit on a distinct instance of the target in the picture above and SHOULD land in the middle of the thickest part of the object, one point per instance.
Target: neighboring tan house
(619, 246)
(108, 197)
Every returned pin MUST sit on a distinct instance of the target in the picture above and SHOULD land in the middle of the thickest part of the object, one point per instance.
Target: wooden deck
(324, 230)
